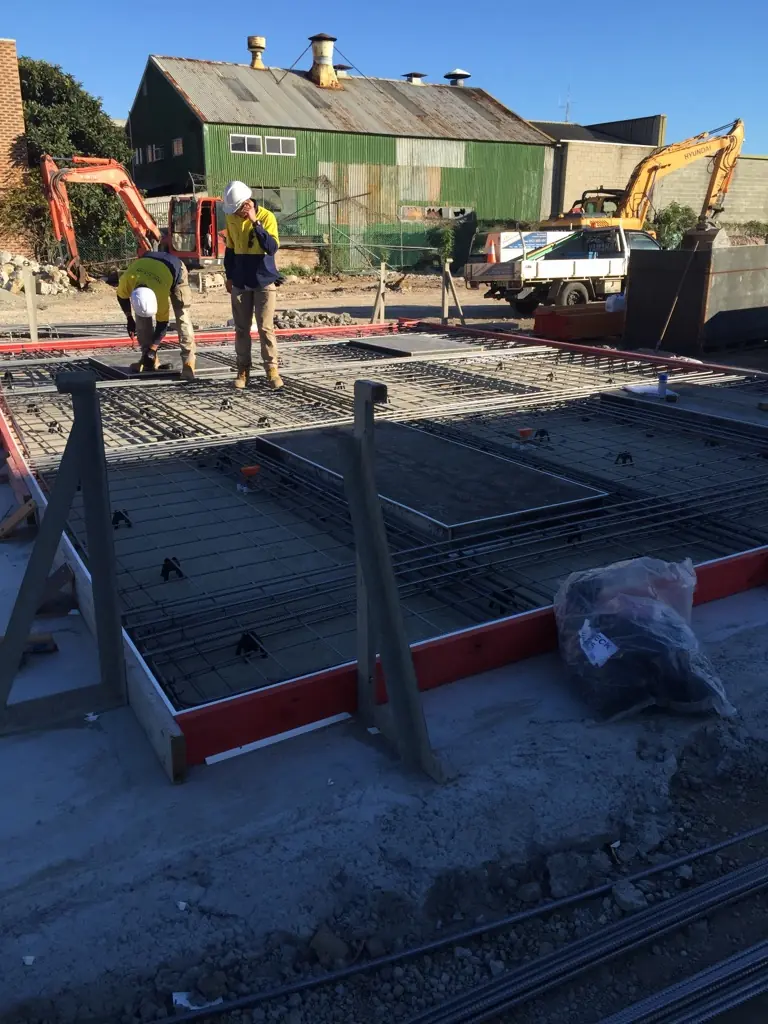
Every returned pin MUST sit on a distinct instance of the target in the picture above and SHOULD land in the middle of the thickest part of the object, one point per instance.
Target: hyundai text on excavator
(629, 207)
(196, 232)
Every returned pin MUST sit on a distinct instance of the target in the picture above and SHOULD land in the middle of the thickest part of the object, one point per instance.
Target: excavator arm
(725, 149)
(91, 170)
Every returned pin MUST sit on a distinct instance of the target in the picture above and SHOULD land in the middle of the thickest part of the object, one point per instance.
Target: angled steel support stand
(83, 462)
(449, 289)
(379, 615)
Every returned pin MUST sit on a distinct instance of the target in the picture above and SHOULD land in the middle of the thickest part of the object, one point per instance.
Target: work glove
(131, 323)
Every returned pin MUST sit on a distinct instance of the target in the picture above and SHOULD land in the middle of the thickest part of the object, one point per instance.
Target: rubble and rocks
(294, 318)
(629, 897)
(49, 279)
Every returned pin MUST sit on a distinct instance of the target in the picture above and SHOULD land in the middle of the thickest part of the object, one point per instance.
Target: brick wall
(13, 150)
(590, 165)
(747, 198)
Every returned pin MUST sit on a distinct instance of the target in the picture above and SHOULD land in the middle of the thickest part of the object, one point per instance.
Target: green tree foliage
(671, 223)
(64, 120)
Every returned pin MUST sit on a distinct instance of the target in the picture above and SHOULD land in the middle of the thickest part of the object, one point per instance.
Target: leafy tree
(64, 120)
(671, 223)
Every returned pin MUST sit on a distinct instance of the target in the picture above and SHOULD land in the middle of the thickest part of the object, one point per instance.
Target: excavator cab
(602, 202)
(196, 229)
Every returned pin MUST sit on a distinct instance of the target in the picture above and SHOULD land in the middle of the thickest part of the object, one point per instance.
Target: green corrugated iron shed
(374, 162)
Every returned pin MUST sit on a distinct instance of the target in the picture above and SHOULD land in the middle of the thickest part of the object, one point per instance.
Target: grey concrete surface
(99, 850)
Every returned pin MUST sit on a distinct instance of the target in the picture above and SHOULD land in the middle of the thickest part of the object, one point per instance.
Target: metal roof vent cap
(414, 77)
(322, 73)
(457, 77)
(257, 45)
(342, 70)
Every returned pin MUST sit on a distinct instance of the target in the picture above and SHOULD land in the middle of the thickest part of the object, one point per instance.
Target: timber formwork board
(235, 553)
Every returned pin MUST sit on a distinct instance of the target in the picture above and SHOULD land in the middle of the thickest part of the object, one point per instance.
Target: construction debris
(49, 279)
(290, 318)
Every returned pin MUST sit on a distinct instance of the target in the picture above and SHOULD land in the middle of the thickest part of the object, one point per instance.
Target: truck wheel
(573, 293)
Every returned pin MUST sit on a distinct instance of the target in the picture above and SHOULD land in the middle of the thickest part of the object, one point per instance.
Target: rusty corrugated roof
(237, 94)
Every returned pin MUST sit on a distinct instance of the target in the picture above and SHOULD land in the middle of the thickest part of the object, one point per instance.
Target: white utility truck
(587, 265)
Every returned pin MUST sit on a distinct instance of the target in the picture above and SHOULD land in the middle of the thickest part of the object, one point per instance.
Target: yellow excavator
(629, 207)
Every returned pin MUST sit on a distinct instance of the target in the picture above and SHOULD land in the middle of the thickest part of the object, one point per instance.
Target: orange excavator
(196, 224)
(628, 207)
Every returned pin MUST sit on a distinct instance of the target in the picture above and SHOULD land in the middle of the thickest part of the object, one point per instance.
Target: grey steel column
(98, 525)
(366, 392)
(408, 725)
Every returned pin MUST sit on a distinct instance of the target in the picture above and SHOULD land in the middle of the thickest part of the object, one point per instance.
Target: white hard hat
(144, 301)
(235, 194)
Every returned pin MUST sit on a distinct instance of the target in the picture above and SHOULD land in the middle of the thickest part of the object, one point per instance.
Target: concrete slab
(333, 823)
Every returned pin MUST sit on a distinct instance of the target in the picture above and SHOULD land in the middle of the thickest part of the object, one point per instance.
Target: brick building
(13, 149)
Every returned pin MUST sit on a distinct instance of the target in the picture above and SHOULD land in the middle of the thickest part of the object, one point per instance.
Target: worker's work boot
(188, 370)
(147, 364)
(274, 380)
(242, 378)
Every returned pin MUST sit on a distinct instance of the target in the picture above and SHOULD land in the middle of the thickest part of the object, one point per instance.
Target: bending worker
(249, 263)
(148, 288)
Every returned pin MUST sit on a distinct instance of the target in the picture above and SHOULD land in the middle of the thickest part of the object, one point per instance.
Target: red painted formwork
(201, 337)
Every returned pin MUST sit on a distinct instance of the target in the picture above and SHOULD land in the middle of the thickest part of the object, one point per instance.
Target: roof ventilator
(322, 72)
(457, 77)
(257, 45)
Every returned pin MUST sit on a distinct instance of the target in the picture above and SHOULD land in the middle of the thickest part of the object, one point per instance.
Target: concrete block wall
(590, 165)
(13, 149)
(747, 198)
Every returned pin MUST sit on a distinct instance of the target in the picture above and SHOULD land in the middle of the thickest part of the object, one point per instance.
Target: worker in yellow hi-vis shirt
(146, 291)
(249, 263)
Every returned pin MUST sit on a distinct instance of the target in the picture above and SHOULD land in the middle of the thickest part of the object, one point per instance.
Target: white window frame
(281, 139)
(258, 151)
(138, 156)
(177, 147)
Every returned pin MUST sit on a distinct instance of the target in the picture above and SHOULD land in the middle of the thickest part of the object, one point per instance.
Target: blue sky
(700, 62)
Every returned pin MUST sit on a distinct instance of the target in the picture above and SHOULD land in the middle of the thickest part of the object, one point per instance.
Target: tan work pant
(261, 302)
(181, 301)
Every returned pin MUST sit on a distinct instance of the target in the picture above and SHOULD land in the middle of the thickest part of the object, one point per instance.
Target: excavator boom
(634, 203)
(94, 171)
(725, 149)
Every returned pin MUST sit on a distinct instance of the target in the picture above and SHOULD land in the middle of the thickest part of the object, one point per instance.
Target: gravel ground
(718, 790)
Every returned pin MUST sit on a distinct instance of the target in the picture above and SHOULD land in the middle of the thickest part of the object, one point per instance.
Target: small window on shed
(280, 146)
(245, 143)
(178, 147)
